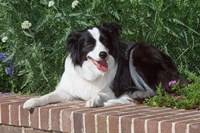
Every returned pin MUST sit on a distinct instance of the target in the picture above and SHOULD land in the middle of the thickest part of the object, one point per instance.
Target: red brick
(152, 126)
(113, 124)
(14, 113)
(24, 116)
(110, 108)
(168, 123)
(112, 118)
(182, 126)
(44, 117)
(55, 114)
(55, 117)
(78, 122)
(7, 98)
(10, 129)
(30, 130)
(13, 98)
(90, 116)
(89, 123)
(126, 124)
(114, 113)
(101, 120)
(129, 119)
(121, 116)
(138, 125)
(139, 122)
(4, 114)
(152, 121)
(66, 118)
(133, 117)
(101, 124)
(34, 122)
(70, 119)
(4, 109)
(194, 128)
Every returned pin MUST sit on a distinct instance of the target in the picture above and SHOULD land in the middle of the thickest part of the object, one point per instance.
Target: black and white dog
(103, 71)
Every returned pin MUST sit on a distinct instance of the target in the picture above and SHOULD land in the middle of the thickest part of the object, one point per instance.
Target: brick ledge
(74, 117)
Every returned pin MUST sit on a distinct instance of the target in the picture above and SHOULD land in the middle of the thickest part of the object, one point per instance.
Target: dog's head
(95, 45)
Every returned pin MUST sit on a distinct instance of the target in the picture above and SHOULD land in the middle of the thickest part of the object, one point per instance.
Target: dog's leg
(95, 101)
(98, 100)
(55, 96)
(124, 99)
(142, 94)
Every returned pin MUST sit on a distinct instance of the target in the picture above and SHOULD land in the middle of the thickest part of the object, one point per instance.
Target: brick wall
(74, 117)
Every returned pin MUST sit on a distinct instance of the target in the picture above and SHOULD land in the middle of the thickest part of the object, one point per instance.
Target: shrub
(186, 98)
(37, 31)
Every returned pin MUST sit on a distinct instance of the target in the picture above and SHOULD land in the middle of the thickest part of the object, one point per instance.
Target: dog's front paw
(94, 102)
(31, 103)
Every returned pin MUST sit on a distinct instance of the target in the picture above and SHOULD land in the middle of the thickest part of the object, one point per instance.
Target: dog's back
(142, 67)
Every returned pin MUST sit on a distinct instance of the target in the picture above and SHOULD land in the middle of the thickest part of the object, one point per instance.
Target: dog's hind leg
(53, 97)
(142, 94)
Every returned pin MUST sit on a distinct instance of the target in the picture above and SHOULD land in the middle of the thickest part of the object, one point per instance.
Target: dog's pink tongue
(102, 65)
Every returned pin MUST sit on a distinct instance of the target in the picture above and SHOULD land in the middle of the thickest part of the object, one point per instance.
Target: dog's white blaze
(95, 33)
(99, 46)
(139, 82)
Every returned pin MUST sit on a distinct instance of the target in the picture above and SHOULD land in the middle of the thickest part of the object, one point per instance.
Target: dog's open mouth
(101, 65)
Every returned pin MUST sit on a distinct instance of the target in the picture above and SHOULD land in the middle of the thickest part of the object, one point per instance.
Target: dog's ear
(72, 41)
(72, 46)
(112, 28)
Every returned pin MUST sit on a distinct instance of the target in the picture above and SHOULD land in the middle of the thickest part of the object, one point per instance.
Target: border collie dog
(102, 70)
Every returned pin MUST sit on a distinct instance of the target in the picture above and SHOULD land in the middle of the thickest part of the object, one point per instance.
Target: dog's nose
(103, 54)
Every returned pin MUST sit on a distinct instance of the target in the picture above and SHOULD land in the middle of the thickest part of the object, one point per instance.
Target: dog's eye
(103, 40)
(89, 45)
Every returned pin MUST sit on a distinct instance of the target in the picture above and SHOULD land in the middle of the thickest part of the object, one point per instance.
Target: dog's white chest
(74, 83)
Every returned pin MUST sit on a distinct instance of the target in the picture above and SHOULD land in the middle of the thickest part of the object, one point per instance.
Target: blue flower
(3, 56)
(9, 69)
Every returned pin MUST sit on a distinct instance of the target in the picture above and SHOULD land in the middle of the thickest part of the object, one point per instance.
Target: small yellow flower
(4, 39)
(75, 3)
(51, 3)
(26, 25)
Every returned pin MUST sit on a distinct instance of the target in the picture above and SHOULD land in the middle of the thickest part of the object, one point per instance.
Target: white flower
(4, 39)
(51, 3)
(26, 25)
(75, 3)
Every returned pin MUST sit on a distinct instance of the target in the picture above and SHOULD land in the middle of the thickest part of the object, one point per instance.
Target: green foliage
(38, 52)
(187, 97)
